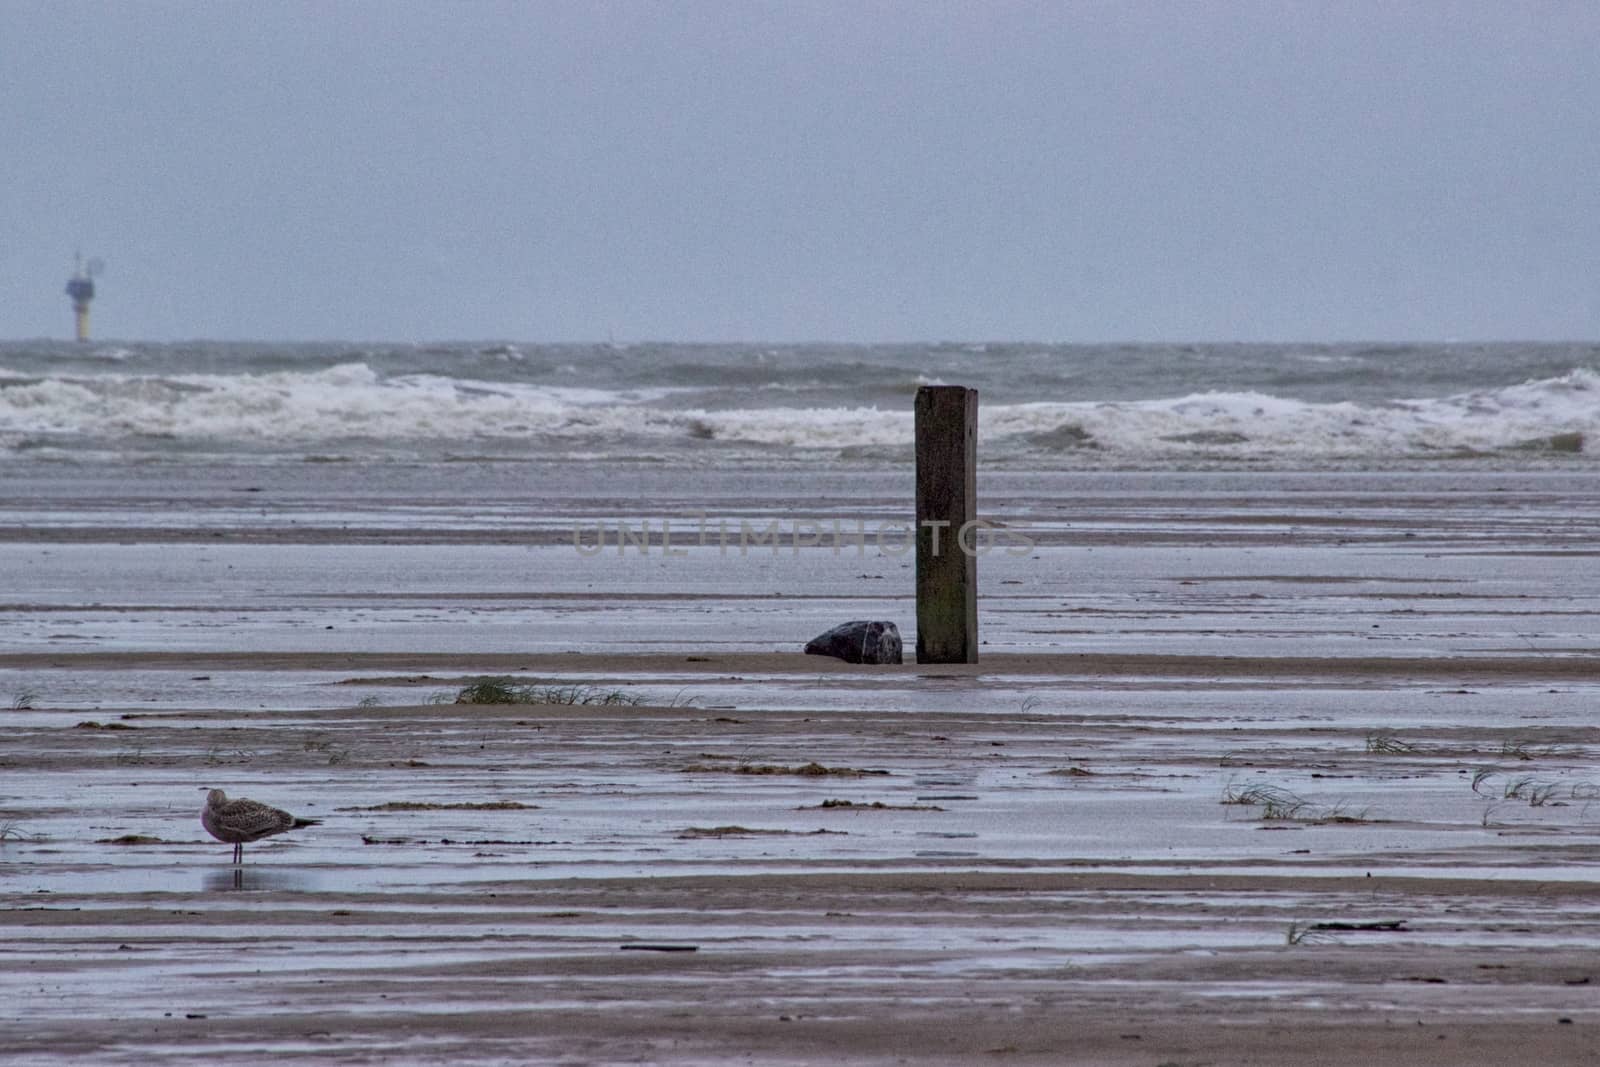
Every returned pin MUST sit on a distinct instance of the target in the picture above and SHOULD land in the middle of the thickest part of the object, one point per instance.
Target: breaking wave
(354, 402)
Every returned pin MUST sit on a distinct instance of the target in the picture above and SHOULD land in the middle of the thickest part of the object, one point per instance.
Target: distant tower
(81, 288)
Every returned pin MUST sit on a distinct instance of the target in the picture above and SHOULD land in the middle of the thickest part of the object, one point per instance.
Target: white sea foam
(1560, 414)
(355, 401)
(348, 400)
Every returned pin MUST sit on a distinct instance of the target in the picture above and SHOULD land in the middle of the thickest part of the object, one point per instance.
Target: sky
(737, 170)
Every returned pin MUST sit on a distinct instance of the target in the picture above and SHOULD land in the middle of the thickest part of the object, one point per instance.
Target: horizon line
(813, 342)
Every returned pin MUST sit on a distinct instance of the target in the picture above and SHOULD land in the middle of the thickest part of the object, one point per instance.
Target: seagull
(238, 821)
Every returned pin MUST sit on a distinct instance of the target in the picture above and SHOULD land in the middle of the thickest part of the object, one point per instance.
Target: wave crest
(354, 401)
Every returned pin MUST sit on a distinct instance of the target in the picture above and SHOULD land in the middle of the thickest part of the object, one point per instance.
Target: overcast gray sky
(805, 170)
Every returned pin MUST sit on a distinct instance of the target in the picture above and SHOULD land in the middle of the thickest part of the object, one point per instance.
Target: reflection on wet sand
(256, 879)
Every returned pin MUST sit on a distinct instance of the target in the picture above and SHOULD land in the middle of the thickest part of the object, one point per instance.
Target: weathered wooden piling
(947, 502)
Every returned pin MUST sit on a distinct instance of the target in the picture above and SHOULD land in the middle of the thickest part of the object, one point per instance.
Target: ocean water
(1042, 406)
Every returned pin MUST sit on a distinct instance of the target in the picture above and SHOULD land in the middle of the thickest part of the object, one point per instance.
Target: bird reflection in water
(258, 879)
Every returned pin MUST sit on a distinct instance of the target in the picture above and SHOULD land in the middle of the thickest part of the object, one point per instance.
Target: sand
(1262, 797)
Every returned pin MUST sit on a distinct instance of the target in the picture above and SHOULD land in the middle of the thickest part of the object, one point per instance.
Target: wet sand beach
(1256, 768)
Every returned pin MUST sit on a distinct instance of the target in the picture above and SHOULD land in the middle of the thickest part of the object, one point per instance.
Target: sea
(1042, 406)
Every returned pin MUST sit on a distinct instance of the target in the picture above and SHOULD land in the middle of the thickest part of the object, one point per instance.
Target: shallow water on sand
(1240, 745)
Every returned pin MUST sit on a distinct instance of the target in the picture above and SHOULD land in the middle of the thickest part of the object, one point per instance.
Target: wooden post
(947, 500)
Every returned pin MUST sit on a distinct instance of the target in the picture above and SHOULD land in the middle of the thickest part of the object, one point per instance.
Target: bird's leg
(238, 852)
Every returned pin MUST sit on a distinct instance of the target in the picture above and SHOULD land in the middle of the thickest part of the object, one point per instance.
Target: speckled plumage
(238, 821)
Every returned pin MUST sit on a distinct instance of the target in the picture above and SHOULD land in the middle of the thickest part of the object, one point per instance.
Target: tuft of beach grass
(506, 691)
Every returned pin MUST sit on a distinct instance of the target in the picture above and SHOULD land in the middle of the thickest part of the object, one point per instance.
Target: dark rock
(859, 642)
